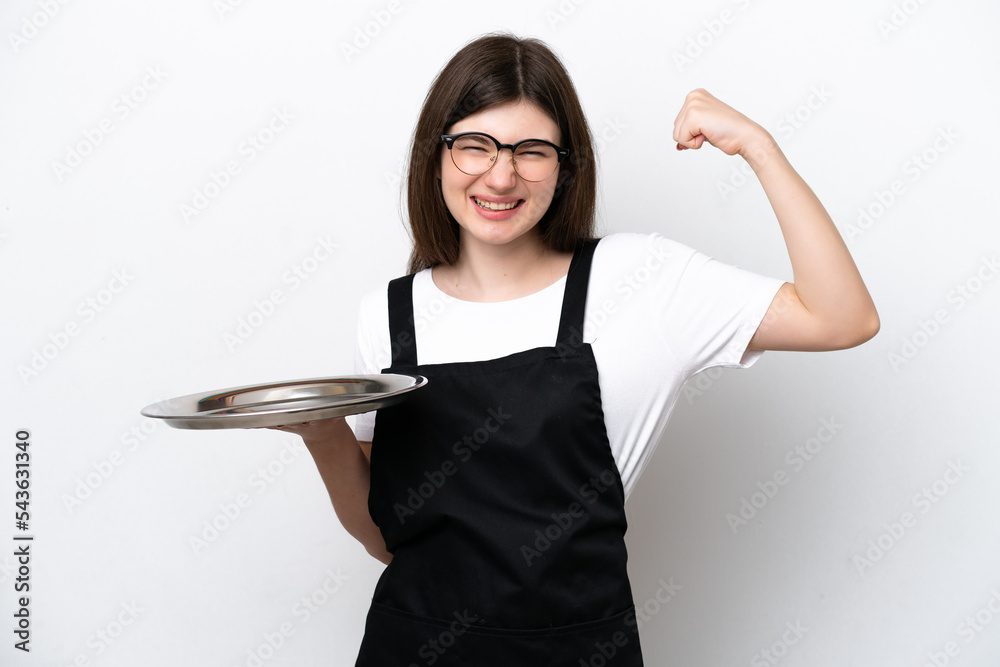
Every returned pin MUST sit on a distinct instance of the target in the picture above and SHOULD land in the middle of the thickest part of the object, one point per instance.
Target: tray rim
(211, 419)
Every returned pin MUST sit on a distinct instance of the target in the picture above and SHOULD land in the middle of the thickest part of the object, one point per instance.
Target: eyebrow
(527, 139)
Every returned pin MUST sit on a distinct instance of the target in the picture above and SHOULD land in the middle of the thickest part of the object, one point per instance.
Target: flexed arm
(827, 307)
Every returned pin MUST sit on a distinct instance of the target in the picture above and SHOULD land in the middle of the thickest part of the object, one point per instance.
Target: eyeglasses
(475, 153)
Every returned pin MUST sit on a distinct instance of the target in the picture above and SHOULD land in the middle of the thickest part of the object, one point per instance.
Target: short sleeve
(366, 359)
(713, 311)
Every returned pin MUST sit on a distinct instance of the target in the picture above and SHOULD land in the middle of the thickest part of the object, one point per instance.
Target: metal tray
(283, 403)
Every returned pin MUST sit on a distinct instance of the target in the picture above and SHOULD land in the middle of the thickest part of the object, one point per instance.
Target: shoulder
(374, 304)
(632, 244)
(626, 252)
(375, 299)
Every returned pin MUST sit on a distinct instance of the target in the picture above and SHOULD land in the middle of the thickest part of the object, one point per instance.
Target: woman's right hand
(319, 432)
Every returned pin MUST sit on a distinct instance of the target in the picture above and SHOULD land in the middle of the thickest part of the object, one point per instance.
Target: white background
(116, 499)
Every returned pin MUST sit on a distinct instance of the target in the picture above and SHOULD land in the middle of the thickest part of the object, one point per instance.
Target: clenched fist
(703, 118)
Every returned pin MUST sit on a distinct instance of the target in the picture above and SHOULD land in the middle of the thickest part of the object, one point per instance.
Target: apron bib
(497, 493)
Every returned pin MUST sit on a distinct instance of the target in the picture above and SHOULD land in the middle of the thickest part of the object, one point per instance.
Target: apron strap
(575, 297)
(403, 337)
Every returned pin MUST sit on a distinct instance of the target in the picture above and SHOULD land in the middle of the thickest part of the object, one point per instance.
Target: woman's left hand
(705, 118)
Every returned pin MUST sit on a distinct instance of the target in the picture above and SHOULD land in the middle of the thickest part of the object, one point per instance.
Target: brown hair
(497, 69)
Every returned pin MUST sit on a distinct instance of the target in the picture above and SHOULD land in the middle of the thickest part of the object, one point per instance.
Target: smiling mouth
(494, 206)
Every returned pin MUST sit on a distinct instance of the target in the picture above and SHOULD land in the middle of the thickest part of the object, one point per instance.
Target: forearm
(826, 279)
(346, 473)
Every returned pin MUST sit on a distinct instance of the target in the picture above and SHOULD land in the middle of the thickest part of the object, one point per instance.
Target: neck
(486, 272)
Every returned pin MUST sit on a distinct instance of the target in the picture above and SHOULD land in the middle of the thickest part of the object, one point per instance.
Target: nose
(501, 175)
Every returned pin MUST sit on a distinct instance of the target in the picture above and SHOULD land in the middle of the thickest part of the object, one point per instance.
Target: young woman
(496, 493)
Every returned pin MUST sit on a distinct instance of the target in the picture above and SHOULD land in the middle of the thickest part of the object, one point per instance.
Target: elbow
(379, 554)
(861, 332)
(874, 324)
(871, 325)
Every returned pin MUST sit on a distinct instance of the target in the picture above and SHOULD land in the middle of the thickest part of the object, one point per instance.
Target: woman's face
(470, 198)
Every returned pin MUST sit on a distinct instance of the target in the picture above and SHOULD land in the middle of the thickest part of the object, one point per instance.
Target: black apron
(498, 496)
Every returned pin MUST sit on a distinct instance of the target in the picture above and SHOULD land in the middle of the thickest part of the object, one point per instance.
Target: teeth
(494, 206)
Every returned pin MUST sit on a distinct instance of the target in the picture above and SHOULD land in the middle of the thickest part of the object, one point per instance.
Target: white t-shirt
(657, 313)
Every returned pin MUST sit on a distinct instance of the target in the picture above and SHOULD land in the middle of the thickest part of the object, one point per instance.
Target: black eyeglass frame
(561, 153)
